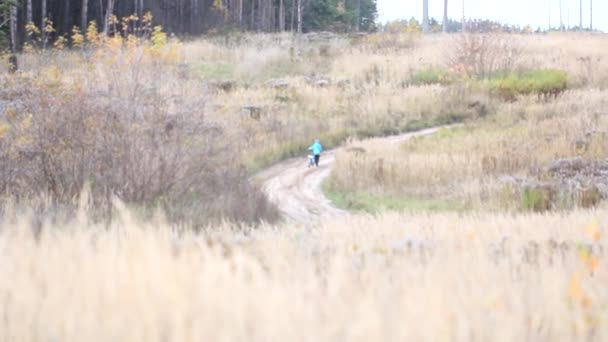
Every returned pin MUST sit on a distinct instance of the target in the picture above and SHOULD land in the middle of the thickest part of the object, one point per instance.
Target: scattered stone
(225, 86)
(343, 83)
(358, 35)
(584, 183)
(322, 83)
(356, 150)
(320, 36)
(567, 165)
(253, 112)
(319, 82)
(277, 83)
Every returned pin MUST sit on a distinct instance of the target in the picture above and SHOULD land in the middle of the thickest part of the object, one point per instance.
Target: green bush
(432, 76)
(538, 199)
(545, 82)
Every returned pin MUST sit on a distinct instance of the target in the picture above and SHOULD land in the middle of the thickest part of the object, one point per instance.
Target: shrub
(545, 83)
(480, 55)
(433, 75)
(538, 199)
(127, 128)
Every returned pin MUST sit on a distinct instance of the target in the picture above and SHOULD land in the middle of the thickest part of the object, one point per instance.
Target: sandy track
(296, 189)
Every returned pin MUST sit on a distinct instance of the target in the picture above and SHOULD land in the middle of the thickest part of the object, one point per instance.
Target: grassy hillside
(127, 212)
(534, 127)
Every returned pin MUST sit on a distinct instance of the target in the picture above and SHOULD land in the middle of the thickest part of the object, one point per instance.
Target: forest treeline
(188, 17)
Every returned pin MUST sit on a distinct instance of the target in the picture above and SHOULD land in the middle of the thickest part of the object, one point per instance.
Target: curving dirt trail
(296, 189)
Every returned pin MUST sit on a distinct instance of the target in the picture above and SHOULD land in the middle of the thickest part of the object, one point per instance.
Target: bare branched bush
(481, 55)
(125, 128)
(155, 155)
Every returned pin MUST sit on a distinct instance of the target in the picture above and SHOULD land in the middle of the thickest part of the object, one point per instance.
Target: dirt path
(296, 189)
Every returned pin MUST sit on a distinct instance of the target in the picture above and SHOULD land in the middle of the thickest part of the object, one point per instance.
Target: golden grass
(390, 277)
(393, 277)
(466, 162)
(374, 97)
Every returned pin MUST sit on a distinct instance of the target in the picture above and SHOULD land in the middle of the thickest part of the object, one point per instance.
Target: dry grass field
(392, 277)
(473, 166)
(175, 130)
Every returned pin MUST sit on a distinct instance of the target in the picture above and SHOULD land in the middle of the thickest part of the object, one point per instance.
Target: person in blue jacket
(316, 149)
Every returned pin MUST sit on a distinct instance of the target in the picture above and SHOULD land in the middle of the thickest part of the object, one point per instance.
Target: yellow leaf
(575, 288)
(593, 263)
(593, 231)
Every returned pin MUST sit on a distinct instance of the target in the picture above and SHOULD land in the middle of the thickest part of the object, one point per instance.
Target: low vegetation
(543, 83)
(250, 101)
(127, 210)
(449, 276)
(506, 160)
(116, 117)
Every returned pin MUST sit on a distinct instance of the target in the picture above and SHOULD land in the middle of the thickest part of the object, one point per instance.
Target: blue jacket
(316, 148)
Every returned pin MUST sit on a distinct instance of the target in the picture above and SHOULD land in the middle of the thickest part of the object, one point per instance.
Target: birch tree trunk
(293, 15)
(108, 15)
(358, 16)
(580, 12)
(84, 20)
(445, 16)
(464, 21)
(43, 13)
(281, 16)
(561, 22)
(591, 15)
(43, 24)
(425, 16)
(299, 16)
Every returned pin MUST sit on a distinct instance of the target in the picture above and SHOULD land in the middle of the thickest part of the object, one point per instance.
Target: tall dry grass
(119, 116)
(392, 277)
(467, 163)
(369, 93)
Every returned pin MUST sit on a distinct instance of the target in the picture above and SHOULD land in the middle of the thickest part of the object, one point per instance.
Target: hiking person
(316, 149)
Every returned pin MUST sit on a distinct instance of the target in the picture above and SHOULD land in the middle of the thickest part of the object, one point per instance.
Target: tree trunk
(28, 17)
(241, 14)
(12, 67)
(425, 16)
(591, 15)
(43, 15)
(293, 16)
(445, 16)
(28, 11)
(281, 16)
(194, 16)
(108, 15)
(43, 23)
(561, 21)
(252, 15)
(580, 27)
(358, 17)
(67, 17)
(464, 21)
(84, 20)
(299, 16)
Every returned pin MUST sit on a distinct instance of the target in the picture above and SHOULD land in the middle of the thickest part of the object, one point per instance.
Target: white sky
(536, 13)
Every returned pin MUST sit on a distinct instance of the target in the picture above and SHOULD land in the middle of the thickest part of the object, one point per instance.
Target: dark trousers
(317, 157)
